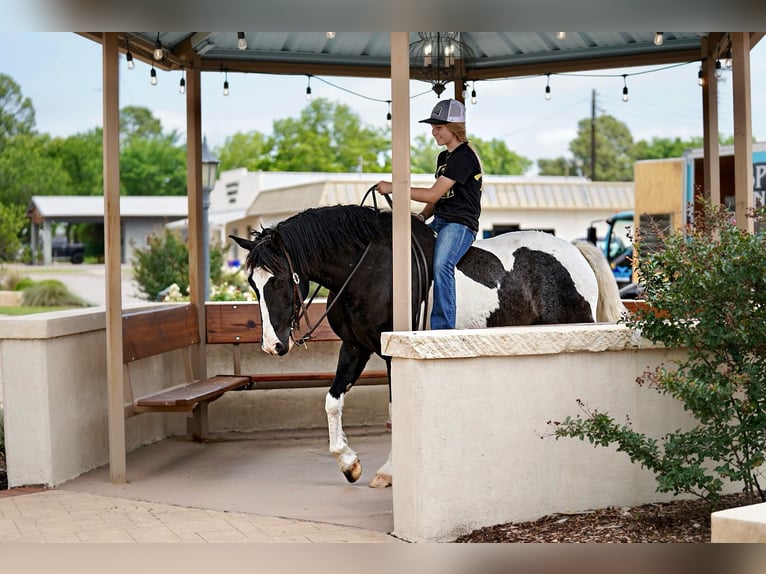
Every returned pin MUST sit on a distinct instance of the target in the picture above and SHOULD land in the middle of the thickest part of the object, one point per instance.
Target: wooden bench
(235, 323)
(149, 333)
(175, 329)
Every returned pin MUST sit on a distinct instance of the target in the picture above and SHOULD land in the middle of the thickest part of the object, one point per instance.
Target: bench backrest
(148, 333)
(241, 323)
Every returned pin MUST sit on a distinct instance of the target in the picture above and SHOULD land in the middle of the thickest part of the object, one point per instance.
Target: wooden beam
(197, 272)
(743, 131)
(711, 161)
(113, 258)
(400, 161)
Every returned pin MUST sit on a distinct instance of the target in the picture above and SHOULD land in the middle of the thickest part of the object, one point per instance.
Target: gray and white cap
(446, 112)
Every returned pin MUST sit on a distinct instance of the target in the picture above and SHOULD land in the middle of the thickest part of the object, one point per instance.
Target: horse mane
(310, 235)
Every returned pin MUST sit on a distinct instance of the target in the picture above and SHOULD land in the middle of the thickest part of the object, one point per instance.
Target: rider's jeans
(452, 241)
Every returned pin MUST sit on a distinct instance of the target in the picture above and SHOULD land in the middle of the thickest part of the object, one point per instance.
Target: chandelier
(438, 58)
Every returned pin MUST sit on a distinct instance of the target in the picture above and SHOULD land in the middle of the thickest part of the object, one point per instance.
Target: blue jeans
(452, 241)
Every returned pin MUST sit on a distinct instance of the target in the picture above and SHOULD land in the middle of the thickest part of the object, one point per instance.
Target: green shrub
(165, 261)
(705, 293)
(50, 293)
(23, 283)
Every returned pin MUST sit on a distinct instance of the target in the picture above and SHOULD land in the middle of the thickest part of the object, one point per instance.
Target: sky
(61, 73)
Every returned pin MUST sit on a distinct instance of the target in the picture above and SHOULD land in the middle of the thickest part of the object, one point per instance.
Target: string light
(625, 88)
(158, 51)
(561, 35)
(153, 76)
(129, 56)
(548, 88)
(727, 59)
(388, 115)
(474, 99)
(241, 41)
(308, 88)
(659, 38)
(700, 78)
(718, 70)
(182, 84)
(226, 84)
(330, 35)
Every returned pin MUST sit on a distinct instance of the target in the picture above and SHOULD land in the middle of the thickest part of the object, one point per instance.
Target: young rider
(454, 201)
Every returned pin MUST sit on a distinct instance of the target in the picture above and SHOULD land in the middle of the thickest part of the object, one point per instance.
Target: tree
(498, 159)
(660, 148)
(139, 122)
(614, 144)
(17, 115)
(249, 150)
(152, 166)
(82, 158)
(558, 166)
(704, 292)
(12, 222)
(328, 137)
(29, 166)
(423, 154)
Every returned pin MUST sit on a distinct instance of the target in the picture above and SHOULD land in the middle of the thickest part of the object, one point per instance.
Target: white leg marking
(384, 476)
(346, 458)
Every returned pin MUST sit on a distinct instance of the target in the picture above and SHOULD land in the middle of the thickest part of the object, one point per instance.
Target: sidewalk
(37, 515)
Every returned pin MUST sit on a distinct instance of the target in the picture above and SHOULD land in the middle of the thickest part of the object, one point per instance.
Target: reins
(301, 308)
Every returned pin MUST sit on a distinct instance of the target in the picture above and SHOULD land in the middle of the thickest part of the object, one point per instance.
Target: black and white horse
(518, 278)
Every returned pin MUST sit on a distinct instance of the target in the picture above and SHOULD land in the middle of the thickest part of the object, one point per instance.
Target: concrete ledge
(743, 524)
(512, 341)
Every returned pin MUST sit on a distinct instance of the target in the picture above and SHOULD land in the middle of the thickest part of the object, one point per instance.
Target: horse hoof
(353, 474)
(381, 481)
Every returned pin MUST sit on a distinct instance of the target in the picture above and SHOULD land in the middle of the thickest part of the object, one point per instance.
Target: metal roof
(501, 193)
(85, 207)
(367, 54)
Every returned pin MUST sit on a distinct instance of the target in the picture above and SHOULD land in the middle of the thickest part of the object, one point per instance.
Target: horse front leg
(351, 362)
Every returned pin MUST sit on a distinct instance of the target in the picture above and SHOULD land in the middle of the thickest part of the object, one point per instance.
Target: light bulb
(129, 58)
(474, 99)
(241, 41)
(226, 87)
(658, 38)
(700, 78)
(388, 119)
(727, 60)
(625, 94)
(330, 35)
(153, 76)
(547, 92)
(718, 70)
(182, 86)
(561, 35)
(308, 93)
(158, 52)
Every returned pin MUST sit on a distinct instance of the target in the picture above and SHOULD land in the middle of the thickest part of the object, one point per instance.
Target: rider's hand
(384, 187)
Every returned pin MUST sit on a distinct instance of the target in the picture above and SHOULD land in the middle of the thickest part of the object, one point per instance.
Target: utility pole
(593, 136)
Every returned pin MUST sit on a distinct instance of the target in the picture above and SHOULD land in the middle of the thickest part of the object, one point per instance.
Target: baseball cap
(446, 112)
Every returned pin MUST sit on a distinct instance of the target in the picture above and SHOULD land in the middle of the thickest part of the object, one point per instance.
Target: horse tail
(609, 307)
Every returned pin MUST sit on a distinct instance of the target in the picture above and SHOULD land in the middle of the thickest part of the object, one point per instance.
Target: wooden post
(400, 161)
(743, 130)
(197, 272)
(113, 258)
(711, 160)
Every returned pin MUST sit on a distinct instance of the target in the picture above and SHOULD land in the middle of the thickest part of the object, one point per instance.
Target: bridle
(300, 307)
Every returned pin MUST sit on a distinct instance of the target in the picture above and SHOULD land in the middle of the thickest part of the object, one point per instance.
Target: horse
(516, 278)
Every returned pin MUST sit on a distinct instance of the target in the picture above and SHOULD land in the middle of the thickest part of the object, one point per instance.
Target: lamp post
(209, 167)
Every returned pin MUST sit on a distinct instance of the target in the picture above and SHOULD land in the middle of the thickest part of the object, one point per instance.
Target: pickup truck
(62, 248)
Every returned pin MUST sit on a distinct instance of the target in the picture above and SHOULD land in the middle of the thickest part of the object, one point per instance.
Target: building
(139, 217)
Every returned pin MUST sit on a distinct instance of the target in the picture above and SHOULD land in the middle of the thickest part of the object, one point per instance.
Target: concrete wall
(54, 392)
(471, 440)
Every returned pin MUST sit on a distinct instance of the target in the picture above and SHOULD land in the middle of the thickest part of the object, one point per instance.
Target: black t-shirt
(462, 203)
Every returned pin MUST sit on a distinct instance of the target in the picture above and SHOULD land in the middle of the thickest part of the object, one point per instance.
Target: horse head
(278, 287)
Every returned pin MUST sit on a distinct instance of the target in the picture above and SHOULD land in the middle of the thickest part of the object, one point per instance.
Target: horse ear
(242, 242)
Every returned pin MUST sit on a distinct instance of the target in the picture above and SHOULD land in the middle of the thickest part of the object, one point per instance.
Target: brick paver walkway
(37, 515)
